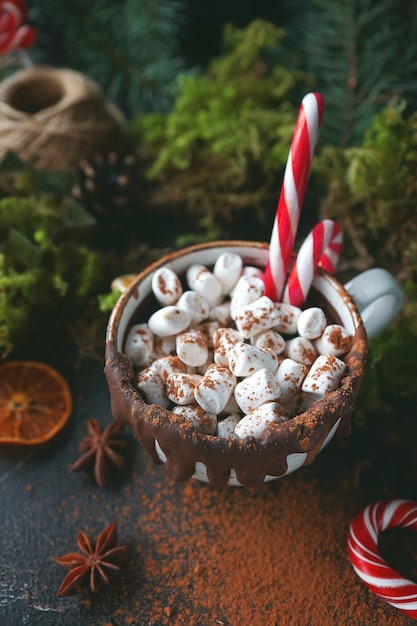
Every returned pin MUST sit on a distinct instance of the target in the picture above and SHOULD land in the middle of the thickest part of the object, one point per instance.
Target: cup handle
(378, 296)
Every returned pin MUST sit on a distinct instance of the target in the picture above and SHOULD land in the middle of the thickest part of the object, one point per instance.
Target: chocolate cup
(187, 453)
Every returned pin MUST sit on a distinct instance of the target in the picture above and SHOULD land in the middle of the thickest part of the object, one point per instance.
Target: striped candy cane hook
(321, 248)
(366, 559)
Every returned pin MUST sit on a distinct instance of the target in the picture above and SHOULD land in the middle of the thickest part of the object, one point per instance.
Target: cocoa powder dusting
(274, 556)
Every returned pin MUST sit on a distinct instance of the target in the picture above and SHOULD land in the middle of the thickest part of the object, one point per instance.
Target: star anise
(96, 566)
(99, 448)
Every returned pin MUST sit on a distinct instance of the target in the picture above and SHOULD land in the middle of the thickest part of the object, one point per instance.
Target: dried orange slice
(35, 402)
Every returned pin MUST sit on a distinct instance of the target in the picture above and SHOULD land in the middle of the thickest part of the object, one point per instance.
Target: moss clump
(372, 193)
(219, 155)
(44, 268)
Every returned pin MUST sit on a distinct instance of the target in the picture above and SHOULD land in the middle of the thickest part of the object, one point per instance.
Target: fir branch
(131, 49)
(362, 53)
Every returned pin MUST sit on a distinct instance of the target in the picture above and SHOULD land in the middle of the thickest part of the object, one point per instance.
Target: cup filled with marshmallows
(222, 384)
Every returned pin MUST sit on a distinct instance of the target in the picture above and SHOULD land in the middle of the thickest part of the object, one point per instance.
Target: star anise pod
(99, 448)
(96, 566)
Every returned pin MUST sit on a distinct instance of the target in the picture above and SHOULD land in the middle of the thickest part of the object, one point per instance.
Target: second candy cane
(321, 248)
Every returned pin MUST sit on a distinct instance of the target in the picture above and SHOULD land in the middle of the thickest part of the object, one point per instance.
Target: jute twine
(52, 118)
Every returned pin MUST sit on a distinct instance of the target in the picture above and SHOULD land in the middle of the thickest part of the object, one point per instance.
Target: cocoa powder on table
(275, 556)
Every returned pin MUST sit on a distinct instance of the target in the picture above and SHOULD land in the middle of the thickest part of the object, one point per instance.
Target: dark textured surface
(43, 504)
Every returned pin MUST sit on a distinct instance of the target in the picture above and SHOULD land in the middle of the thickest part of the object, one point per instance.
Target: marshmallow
(192, 347)
(204, 282)
(201, 369)
(311, 323)
(167, 365)
(221, 313)
(195, 305)
(151, 387)
(335, 340)
(255, 422)
(257, 389)
(163, 346)
(325, 375)
(224, 339)
(226, 427)
(209, 329)
(227, 269)
(231, 406)
(251, 270)
(269, 340)
(290, 376)
(166, 286)
(170, 320)
(247, 290)
(202, 421)
(215, 389)
(289, 315)
(245, 359)
(180, 388)
(301, 350)
(139, 344)
(257, 316)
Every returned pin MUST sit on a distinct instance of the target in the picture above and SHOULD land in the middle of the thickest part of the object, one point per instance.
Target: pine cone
(107, 187)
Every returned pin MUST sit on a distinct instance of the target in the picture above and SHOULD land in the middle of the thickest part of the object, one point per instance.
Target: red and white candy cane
(366, 559)
(321, 248)
(296, 176)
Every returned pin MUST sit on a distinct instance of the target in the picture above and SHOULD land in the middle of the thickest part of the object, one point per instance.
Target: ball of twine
(52, 118)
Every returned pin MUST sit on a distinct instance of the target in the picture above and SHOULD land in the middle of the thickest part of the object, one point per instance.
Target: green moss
(372, 192)
(44, 267)
(222, 149)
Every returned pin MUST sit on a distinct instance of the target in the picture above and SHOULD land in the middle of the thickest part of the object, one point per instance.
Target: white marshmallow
(209, 329)
(251, 270)
(255, 422)
(227, 269)
(151, 387)
(269, 340)
(257, 316)
(204, 282)
(139, 344)
(301, 350)
(290, 376)
(325, 375)
(167, 365)
(245, 359)
(226, 427)
(180, 388)
(170, 320)
(247, 290)
(166, 286)
(202, 421)
(311, 323)
(215, 389)
(221, 313)
(335, 340)
(289, 315)
(257, 389)
(224, 339)
(192, 347)
(231, 406)
(163, 346)
(195, 305)
(201, 369)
